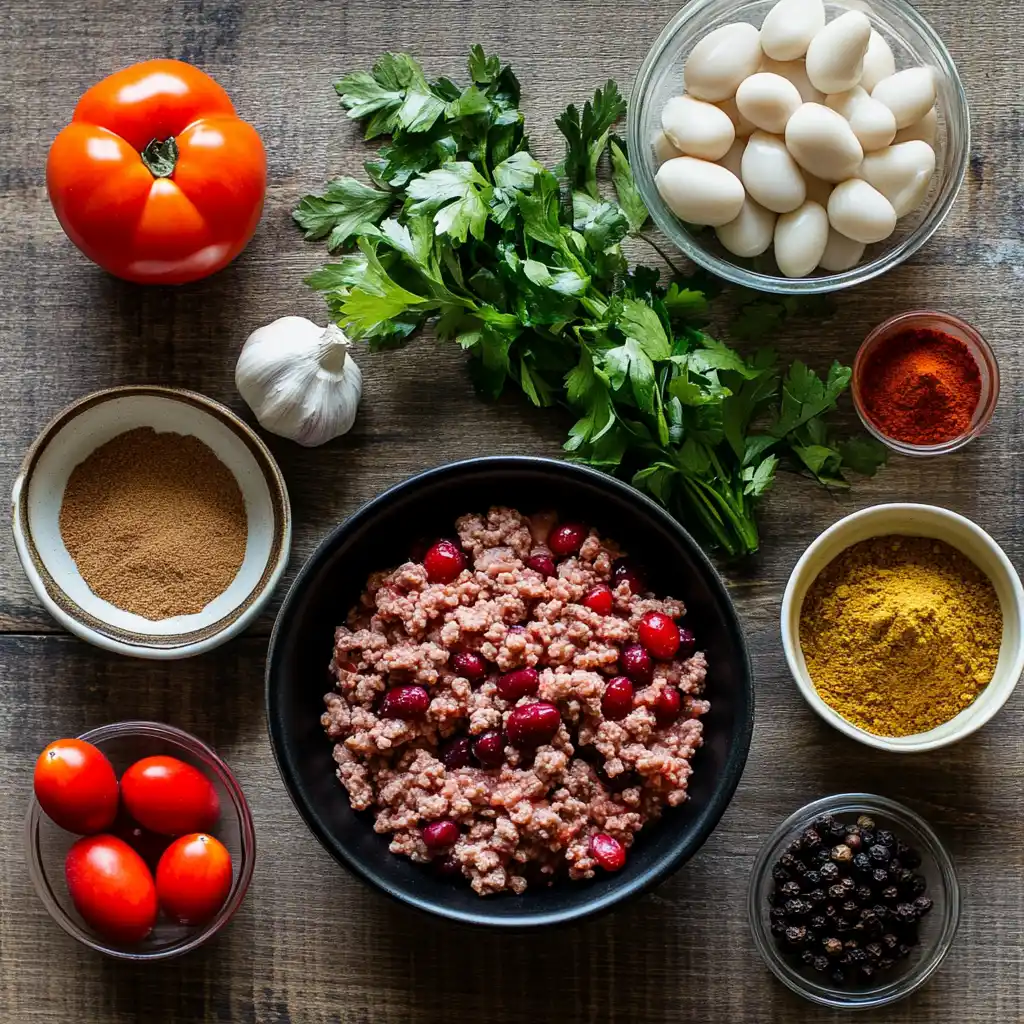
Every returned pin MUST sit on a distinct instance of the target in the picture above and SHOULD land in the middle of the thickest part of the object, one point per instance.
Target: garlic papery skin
(300, 380)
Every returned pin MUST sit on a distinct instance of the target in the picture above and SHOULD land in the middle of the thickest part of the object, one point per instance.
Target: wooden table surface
(311, 943)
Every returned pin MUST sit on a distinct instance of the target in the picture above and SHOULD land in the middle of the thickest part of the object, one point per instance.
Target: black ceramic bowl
(379, 535)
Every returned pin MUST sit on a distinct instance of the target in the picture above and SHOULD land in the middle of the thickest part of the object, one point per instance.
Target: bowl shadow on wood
(380, 535)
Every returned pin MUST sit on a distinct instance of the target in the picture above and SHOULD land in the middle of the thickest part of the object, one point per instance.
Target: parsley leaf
(523, 268)
(346, 208)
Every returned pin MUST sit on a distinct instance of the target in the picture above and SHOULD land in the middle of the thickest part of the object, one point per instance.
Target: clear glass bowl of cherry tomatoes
(139, 839)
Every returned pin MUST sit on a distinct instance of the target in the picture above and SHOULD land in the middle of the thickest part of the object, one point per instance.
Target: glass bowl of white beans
(789, 241)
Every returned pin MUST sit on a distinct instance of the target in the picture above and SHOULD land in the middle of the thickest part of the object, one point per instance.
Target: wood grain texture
(311, 944)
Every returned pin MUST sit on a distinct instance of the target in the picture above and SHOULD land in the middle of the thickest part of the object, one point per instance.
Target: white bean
(908, 94)
(733, 160)
(861, 212)
(879, 62)
(750, 233)
(841, 253)
(800, 239)
(835, 57)
(822, 142)
(697, 128)
(902, 173)
(789, 27)
(768, 101)
(872, 122)
(796, 72)
(771, 175)
(721, 60)
(662, 147)
(699, 192)
(741, 125)
(925, 130)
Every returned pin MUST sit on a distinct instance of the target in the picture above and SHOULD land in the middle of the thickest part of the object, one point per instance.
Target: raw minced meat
(533, 817)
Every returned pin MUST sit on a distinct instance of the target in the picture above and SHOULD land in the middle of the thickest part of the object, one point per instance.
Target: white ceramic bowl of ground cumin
(912, 520)
(151, 521)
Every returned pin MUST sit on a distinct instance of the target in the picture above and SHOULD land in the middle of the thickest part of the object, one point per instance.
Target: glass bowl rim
(988, 363)
(914, 978)
(779, 285)
(247, 839)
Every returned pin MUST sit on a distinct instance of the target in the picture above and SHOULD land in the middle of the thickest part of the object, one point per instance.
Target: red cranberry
(599, 599)
(469, 665)
(489, 748)
(443, 562)
(687, 642)
(448, 866)
(668, 706)
(567, 539)
(607, 851)
(636, 663)
(405, 702)
(623, 571)
(617, 701)
(543, 564)
(439, 835)
(660, 635)
(523, 682)
(457, 753)
(532, 725)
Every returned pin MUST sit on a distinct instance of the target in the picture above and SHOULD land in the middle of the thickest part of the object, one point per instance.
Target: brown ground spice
(901, 634)
(155, 522)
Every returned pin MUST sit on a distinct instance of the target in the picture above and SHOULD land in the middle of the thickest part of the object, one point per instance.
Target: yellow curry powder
(900, 634)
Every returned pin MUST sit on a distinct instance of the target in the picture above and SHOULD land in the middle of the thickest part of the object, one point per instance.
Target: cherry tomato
(169, 796)
(76, 786)
(156, 178)
(147, 844)
(112, 888)
(193, 878)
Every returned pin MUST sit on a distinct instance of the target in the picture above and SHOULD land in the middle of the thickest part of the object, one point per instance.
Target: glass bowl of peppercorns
(853, 901)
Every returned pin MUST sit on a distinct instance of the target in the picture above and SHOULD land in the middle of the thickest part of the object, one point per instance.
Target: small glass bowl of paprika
(925, 383)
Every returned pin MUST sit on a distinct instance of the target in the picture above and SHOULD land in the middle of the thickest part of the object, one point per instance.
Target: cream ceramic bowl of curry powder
(151, 521)
(921, 603)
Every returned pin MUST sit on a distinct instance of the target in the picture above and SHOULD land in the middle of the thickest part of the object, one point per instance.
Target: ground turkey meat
(482, 710)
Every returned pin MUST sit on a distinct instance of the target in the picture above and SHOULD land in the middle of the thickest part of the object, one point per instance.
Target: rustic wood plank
(311, 944)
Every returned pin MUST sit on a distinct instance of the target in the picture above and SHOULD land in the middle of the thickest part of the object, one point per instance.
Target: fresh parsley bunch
(522, 266)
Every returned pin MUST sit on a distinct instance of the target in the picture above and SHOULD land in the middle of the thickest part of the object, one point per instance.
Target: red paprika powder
(921, 386)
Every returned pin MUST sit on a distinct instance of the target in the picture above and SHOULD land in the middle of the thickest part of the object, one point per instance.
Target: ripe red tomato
(156, 178)
(112, 888)
(193, 878)
(76, 786)
(169, 796)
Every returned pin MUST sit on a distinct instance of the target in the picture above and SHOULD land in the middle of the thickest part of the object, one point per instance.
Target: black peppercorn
(837, 829)
(862, 862)
(822, 822)
(879, 854)
(790, 889)
(867, 972)
(778, 928)
(922, 905)
(795, 935)
(810, 840)
(905, 913)
(811, 880)
(890, 893)
(807, 956)
(843, 925)
(829, 872)
(919, 885)
(816, 897)
(885, 838)
(880, 876)
(858, 956)
(781, 874)
(868, 918)
(863, 893)
(795, 908)
(848, 885)
(837, 891)
(819, 922)
(890, 941)
(850, 907)
(790, 863)
(830, 910)
(886, 963)
(822, 855)
(874, 951)
(820, 963)
(842, 854)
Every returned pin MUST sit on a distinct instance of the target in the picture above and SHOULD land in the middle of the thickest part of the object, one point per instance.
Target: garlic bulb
(300, 380)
